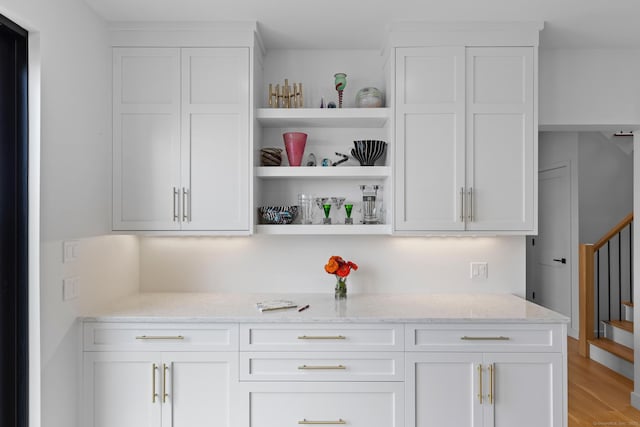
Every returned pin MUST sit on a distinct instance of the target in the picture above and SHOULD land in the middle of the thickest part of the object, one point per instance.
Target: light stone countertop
(371, 308)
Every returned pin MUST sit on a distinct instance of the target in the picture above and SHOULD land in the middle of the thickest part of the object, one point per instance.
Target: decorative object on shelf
(348, 207)
(278, 214)
(340, 83)
(369, 97)
(285, 96)
(294, 142)
(370, 212)
(344, 159)
(306, 207)
(331, 105)
(337, 202)
(367, 152)
(326, 162)
(322, 102)
(341, 269)
(321, 201)
(326, 207)
(311, 160)
(270, 156)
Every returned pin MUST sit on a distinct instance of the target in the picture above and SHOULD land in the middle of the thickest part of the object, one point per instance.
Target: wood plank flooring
(598, 396)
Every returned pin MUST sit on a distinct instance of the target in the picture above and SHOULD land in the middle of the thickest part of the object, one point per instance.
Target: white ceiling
(361, 23)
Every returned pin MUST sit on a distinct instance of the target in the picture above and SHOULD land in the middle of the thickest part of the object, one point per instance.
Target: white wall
(605, 176)
(74, 129)
(295, 264)
(589, 87)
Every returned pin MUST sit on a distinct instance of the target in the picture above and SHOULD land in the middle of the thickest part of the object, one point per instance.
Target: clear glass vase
(341, 288)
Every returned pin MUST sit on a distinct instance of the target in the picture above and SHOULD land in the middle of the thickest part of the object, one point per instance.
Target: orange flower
(338, 266)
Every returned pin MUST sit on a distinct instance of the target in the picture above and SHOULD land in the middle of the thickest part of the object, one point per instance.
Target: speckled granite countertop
(371, 308)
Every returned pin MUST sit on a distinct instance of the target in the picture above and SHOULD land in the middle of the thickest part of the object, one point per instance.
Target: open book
(278, 304)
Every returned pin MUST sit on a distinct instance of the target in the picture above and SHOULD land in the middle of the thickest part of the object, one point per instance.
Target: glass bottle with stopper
(369, 209)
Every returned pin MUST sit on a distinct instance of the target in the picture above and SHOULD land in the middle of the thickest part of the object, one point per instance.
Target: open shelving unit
(323, 117)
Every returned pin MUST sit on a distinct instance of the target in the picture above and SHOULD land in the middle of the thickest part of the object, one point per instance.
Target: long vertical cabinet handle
(165, 369)
(186, 201)
(154, 395)
(470, 204)
(492, 381)
(176, 196)
(480, 381)
(461, 204)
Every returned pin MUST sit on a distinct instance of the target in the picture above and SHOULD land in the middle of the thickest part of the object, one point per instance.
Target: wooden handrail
(586, 276)
(615, 230)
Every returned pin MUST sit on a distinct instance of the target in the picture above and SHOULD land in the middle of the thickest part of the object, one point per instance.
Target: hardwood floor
(597, 395)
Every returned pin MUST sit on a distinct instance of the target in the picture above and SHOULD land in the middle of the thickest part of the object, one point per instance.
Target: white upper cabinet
(465, 139)
(146, 138)
(181, 139)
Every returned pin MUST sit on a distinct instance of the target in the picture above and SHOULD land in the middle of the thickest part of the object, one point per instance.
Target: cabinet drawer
(321, 337)
(483, 338)
(159, 337)
(355, 405)
(321, 366)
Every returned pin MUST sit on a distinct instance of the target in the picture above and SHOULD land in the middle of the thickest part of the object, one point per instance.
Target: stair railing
(595, 266)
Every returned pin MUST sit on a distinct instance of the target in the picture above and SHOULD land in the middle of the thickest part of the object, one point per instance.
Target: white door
(197, 389)
(215, 139)
(121, 390)
(442, 389)
(430, 109)
(500, 138)
(526, 390)
(146, 138)
(551, 278)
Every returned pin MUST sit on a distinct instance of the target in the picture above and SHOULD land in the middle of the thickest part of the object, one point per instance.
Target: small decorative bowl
(368, 151)
(270, 156)
(278, 214)
(369, 97)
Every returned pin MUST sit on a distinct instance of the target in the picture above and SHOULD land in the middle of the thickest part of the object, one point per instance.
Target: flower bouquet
(341, 269)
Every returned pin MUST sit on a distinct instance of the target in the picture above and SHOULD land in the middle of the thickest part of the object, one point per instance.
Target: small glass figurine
(341, 84)
(348, 207)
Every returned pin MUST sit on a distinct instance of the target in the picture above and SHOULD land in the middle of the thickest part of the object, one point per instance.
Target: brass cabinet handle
(154, 395)
(159, 337)
(500, 338)
(492, 373)
(305, 421)
(165, 368)
(312, 367)
(480, 381)
(322, 337)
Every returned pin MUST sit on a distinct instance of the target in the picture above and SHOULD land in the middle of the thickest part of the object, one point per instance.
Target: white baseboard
(635, 400)
(611, 361)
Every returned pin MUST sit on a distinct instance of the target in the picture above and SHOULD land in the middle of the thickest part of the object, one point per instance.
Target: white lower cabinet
(357, 404)
(153, 389)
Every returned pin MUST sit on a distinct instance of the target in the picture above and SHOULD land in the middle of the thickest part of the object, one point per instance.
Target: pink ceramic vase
(294, 142)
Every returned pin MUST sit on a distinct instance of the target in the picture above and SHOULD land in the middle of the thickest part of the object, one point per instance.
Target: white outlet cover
(479, 270)
(70, 250)
(70, 288)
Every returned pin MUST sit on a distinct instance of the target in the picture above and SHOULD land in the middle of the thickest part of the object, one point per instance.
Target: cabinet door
(442, 389)
(146, 138)
(197, 389)
(430, 138)
(215, 139)
(500, 138)
(527, 390)
(121, 390)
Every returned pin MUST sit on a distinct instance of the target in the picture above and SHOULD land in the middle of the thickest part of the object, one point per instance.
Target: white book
(278, 304)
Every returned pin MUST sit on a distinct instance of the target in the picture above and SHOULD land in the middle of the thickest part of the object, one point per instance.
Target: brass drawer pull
(466, 338)
(492, 375)
(322, 337)
(154, 395)
(480, 383)
(311, 367)
(305, 421)
(159, 337)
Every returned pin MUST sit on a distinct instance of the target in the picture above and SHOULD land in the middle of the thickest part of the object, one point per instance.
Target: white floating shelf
(340, 229)
(323, 117)
(344, 172)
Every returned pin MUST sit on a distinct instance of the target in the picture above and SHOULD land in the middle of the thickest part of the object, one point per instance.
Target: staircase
(606, 305)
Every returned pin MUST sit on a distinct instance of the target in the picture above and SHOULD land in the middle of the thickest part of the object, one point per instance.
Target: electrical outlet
(70, 288)
(479, 270)
(69, 251)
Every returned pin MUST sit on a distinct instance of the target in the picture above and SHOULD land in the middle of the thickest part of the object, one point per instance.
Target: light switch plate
(479, 270)
(70, 288)
(69, 250)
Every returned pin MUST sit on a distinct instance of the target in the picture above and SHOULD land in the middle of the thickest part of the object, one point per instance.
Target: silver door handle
(185, 199)
(176, 214)
(471, 204)
(461, 204)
